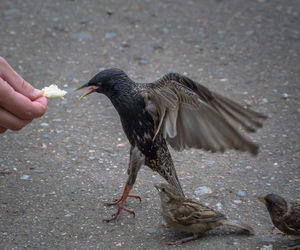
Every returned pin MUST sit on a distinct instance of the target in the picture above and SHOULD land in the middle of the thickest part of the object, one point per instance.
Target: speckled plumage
(285, 216)
(188, 215)
(174, 110)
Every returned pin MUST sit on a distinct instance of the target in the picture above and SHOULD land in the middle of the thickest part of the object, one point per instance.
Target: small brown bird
(188, 215)
(175, 110)
(285, 216)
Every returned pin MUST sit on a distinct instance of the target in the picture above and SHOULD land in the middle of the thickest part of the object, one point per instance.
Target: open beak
(262, 199)
(90, 90)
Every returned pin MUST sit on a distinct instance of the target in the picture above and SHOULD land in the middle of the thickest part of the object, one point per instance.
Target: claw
(121, 202)
(117, 201)
(116, 215)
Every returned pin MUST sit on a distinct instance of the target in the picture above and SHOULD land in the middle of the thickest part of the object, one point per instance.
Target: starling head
(105, 82)
(168, 193)
(274, 203)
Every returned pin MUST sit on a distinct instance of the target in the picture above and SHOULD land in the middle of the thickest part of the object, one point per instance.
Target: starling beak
(90, 90)
(191, 216)
(173, 110)
(262, 199)
(285, 216)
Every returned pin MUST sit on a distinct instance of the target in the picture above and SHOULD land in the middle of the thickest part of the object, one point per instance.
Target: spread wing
(191, 116)
(190, 212)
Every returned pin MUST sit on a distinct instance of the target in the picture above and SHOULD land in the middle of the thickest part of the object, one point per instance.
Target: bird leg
(135, 163)
(277, 231)
(117, 201)
(184, 240)
(121, 203)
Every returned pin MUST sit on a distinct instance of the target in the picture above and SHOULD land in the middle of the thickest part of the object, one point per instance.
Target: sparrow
(188, 215)
(172, 110)
(285, 216)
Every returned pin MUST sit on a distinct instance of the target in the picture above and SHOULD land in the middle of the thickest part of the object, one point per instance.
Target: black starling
(188, 215)
(174, 110)
(285, 216)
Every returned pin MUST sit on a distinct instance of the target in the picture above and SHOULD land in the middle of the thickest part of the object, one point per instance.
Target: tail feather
(173, 180)
(238, 224)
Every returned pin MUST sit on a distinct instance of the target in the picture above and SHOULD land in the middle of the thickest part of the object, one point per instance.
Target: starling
(190, 216)
(174, 110)
(285, 216)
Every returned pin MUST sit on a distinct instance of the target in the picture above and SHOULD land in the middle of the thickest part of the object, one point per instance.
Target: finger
(9, 121)
(2, 130)
(8, 74)
(20, 105)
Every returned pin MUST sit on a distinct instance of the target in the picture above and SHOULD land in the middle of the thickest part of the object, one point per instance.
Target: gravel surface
(58, 172)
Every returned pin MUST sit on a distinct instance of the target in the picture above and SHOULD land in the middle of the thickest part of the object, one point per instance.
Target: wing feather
(191, 116)
(190, 212)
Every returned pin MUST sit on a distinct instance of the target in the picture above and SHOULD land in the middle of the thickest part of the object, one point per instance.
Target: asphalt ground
(57, 174)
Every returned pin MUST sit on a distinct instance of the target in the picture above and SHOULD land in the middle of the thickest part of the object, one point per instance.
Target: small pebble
(80, 35)
(142, 61)
(203, 190)
(24, 177)
(210, 163)
(165, 30)
(4, 170)
(46, 136)
(10, 12)
(285, 95)
(219, 206)
(223, 80)
(241, 193)
(237, 201)
(249, 32)
(39, 171)
(267, 247)
(110, 35)
(69, 214)
(1, 160)
(151, 230)
(44, 124)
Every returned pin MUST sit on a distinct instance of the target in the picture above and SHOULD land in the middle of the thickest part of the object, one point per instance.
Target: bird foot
(116, 215)
(117, 201)
(277, 231)
(179, 242)
(165, 225)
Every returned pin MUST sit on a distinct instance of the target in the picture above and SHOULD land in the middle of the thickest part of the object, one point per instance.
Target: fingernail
(37, 93)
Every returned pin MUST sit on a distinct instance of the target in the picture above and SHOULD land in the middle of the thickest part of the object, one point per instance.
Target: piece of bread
(53, 91)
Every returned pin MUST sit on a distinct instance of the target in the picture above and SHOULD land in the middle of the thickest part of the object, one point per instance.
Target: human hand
(20, 102)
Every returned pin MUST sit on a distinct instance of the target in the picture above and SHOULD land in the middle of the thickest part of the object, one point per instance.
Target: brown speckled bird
(285, 216)
(188, 215)
(174, 110)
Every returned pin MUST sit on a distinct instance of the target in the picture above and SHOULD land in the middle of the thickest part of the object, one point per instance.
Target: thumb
(29, 91)
(8, 74)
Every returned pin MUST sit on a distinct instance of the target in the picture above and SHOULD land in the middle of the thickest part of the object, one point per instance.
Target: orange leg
(121, 202)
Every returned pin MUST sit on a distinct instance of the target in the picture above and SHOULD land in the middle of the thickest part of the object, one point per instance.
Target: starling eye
(163, 190)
